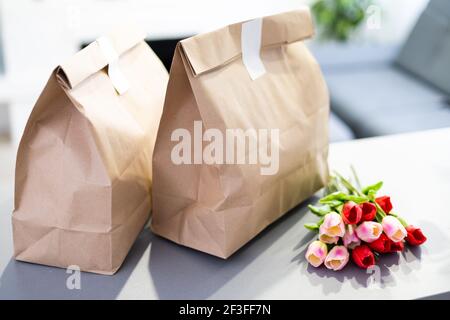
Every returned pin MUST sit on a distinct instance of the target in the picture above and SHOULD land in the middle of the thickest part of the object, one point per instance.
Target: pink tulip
(333, 226)
(337, 258)
(326, 238)
(369, 231)
(350, 238)
(316, 253)
(393, 228)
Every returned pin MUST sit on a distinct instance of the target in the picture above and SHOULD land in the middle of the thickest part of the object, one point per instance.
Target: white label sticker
(116, 76)
(251, 47)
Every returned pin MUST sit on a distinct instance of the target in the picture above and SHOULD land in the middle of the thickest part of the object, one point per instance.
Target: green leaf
(321, 221)
(347, 184)
(372, 194)
(332, 196)
(341, 196)
(357, 199)
(312, 226)
(320, 211)
(332, 203)
(373, 188)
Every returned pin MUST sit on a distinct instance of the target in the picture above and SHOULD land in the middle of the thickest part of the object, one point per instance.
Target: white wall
(39, 34)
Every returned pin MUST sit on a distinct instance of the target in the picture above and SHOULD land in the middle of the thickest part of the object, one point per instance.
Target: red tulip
(363, 257)
(369, 211)
(385, 203)
(415, 236)
(351, 213)
(397, 246)
(381, 245)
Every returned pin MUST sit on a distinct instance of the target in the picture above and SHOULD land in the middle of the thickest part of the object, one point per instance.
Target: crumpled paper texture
(83, 171)
(219, 208)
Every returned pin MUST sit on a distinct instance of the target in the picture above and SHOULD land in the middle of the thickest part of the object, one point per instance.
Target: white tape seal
(251, 47)
(118, 79)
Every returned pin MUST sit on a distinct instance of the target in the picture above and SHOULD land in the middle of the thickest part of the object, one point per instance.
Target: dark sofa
(380, 91)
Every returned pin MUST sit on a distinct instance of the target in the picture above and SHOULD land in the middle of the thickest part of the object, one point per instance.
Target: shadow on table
(21, 280)
(182, 273)
(331, 282)
(377, 277)
(179, 272)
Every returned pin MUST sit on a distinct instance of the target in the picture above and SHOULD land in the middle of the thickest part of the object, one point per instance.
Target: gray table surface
(416, 171)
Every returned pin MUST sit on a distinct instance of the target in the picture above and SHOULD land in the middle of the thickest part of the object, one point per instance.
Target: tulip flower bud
(316, 253)
(327, 239)
(397, 246)
(337, 258)
(385, 203)
(351, 213)
(333, 226)
(415, 236)
(369, 231)
(393, 228)
(369, 211)
(350, 238)
(381, 245)
(363, 257)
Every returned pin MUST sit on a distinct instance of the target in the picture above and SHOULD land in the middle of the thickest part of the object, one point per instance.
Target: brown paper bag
(83, 172)
(217, 207)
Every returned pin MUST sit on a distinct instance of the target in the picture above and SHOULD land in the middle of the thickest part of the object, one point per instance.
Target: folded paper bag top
(83, 170)
(221, 82)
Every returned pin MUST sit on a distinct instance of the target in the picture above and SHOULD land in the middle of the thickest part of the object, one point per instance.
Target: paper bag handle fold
(92, 58)
(211, 50)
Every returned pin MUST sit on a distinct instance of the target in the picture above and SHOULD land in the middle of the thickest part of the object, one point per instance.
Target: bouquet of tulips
(355, 222)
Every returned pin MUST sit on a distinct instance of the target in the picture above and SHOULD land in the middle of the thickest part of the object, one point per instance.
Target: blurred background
(387, 63)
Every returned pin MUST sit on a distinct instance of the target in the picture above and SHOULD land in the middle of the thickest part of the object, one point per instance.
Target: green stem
(402, 221)
(355, 175)
(348, 185)
(380, 213)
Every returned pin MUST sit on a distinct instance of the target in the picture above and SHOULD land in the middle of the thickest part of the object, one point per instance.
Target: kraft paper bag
(249, 76)
(83, 171)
